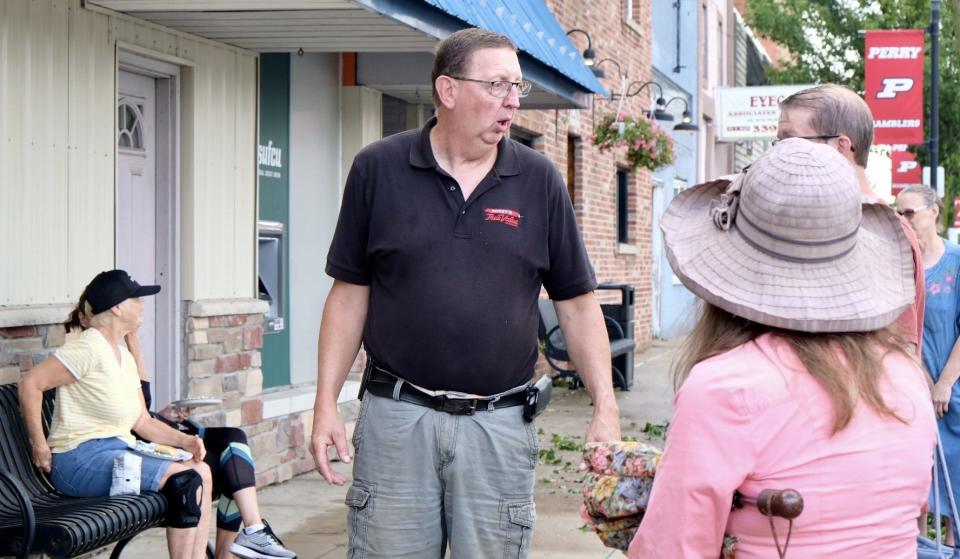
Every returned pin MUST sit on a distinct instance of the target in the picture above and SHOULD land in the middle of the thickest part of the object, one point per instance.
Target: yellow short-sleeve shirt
(104, 401)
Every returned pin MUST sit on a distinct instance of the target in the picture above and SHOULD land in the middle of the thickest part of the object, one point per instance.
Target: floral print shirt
(941, 327)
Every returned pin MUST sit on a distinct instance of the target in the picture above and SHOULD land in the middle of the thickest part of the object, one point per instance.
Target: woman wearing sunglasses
(941, 329)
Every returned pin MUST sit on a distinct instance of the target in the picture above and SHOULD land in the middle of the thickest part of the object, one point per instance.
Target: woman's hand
(195, 447)
(42, 457)
(941, 398)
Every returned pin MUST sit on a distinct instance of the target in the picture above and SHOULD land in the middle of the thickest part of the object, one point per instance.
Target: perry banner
(906, 171)
(894, 85)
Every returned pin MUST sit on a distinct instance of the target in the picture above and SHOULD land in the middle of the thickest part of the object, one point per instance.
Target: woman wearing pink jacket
(791, 377)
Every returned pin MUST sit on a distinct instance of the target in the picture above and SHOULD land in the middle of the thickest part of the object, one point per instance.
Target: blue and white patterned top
(940, 317)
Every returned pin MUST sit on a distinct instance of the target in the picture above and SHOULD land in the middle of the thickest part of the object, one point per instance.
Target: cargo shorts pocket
(360, 502)
(518, 518)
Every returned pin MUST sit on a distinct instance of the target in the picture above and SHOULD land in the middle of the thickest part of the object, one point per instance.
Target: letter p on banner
(894, 85)
(906, 171)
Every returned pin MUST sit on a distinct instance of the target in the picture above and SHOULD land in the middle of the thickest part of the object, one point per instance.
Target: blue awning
(532, 27)
(548, 57)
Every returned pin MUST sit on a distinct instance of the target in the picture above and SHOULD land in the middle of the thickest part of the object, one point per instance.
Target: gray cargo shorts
(426, 479)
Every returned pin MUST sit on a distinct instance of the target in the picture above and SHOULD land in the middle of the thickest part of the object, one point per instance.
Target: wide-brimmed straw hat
(789, 244)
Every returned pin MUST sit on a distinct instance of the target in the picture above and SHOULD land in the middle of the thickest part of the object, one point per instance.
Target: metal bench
(36, 518)
(619, 323)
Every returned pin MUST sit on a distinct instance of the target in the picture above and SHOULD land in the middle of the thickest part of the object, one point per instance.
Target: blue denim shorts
(87, 471)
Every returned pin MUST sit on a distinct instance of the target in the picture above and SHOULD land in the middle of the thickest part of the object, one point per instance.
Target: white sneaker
(262, 544)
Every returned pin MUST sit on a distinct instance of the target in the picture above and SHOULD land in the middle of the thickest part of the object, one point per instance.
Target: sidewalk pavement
(310, 517)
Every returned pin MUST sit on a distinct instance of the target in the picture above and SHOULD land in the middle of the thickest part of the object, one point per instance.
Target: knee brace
(183, 510)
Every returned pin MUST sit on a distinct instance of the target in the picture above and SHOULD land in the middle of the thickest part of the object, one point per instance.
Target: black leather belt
(382, 383)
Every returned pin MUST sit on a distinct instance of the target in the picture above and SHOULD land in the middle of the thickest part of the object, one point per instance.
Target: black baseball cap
(113, 287)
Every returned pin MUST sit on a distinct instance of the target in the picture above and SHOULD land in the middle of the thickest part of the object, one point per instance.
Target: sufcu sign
(894, 85)
(270, 160)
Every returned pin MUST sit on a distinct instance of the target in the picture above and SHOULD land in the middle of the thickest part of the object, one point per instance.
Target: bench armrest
(613, 327)
(553, 353)
(26, 510)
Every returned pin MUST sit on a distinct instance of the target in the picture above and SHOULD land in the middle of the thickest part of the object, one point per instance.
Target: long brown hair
(73, 319)
(848, 376)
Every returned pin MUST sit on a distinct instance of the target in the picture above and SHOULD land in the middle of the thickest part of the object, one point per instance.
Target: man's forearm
(585, 334)
(341, 331)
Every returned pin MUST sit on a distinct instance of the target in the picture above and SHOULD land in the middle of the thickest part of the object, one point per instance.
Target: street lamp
(589, 57)
(600, 73)
(659, 111)
(686, 121)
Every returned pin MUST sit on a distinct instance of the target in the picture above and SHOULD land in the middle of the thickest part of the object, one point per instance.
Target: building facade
(204, 147)
(675, 66)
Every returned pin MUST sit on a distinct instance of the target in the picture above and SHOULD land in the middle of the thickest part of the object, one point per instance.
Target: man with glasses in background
(446, 235)
(836, 115)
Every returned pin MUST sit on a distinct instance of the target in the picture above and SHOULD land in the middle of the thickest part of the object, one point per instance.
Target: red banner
(894, 85)
(906, 171)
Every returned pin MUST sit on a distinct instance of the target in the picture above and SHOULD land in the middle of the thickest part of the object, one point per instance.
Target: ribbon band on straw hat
(724, 211)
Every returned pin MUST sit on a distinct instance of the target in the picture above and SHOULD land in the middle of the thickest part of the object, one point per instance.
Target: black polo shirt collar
(421, 153)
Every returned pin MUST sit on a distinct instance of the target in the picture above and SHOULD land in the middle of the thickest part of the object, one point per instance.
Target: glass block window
(130, 125)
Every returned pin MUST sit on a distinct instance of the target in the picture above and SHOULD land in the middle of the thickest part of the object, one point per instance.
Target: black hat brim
(145, 290)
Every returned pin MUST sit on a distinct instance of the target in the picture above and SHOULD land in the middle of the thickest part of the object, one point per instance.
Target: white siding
(57, 152)
(33, 152)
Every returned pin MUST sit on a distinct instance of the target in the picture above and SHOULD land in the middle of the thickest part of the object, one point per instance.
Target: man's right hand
(42, 458)
(328, 430)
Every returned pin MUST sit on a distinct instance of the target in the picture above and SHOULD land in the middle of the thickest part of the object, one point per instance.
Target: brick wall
(22, 347)
(595, 196)
(223, 359)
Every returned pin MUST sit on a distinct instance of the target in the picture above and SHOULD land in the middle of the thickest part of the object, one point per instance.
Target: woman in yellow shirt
(99, 403)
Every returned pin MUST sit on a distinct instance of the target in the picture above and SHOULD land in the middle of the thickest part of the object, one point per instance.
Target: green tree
(825, 42)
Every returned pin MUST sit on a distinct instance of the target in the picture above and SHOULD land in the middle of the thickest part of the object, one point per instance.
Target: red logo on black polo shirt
(506, 217)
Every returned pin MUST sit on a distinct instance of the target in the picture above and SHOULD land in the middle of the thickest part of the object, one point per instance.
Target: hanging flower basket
(648, 145)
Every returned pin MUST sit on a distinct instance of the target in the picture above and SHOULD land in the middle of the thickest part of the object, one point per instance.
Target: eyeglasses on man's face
(910, 212)
(500, 88)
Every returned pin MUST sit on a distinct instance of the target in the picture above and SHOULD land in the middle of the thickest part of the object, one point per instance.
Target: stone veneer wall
(223, 359)
(22, 347)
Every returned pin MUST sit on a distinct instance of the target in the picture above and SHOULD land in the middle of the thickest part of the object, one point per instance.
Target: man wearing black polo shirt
(445, 237)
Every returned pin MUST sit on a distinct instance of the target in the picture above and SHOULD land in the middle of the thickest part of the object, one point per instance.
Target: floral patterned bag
(617, 490)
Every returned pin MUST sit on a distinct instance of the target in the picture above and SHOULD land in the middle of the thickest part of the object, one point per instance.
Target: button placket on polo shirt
(460, 228)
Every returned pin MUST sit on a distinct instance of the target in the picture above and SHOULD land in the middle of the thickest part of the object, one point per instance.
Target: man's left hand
(605, 425)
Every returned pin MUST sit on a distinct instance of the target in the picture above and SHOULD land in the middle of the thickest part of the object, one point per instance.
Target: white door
(657, 249)
(137, 195)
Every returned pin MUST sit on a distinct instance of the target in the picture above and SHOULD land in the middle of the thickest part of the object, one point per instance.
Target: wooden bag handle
(782, 503)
